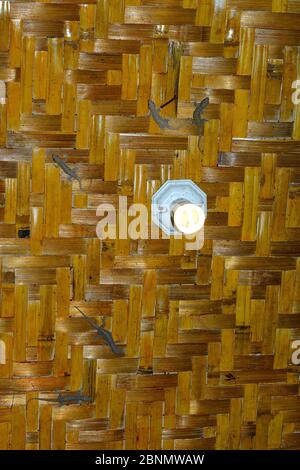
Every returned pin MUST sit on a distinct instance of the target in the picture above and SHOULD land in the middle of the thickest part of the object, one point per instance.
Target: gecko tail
(115, 349)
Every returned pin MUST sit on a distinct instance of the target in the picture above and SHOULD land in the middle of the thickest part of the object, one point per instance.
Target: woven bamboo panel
(208, 334)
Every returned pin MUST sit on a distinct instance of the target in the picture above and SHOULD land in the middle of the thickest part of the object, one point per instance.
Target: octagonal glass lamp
(179, 207)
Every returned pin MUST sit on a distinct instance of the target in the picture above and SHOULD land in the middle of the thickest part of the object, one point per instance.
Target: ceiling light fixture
(188, 218)
(179, 206)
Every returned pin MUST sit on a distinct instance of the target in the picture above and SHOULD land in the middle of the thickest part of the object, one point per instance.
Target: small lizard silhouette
(197, 115)
(162, 122)
(105, 334)
(65, 399)
(66, 169)
(198, 120)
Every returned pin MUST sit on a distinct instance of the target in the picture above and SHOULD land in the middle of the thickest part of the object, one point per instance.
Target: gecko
(197, 119)
(65, 399)
(162, 122)
(197, 115)
(105, 334)
(66, 169)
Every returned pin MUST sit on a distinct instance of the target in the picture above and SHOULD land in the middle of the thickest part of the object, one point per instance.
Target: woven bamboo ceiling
(207, 335)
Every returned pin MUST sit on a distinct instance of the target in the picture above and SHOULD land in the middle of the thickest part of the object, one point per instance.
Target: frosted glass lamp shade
(179, 207)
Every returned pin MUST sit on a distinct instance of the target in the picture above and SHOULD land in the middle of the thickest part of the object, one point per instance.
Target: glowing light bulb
(189, 218)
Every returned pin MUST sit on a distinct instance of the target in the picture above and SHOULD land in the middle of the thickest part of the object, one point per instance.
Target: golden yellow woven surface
(208, 335)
